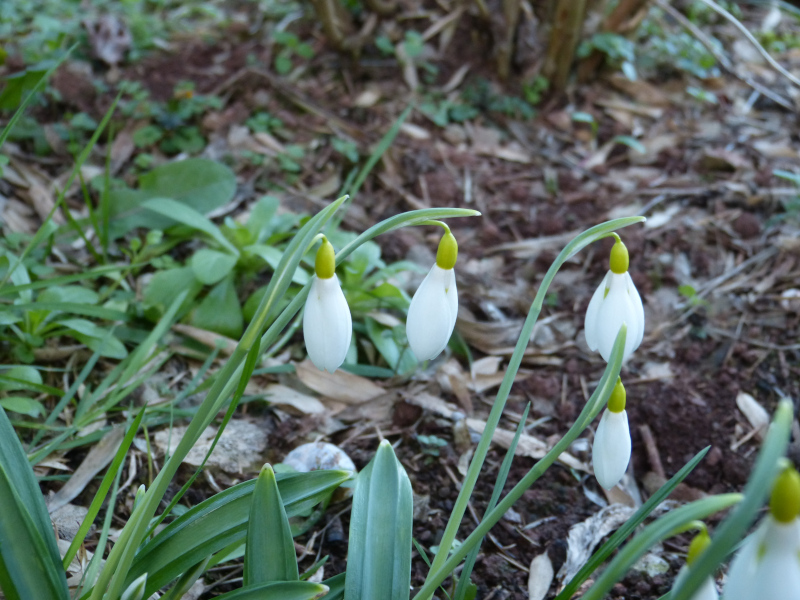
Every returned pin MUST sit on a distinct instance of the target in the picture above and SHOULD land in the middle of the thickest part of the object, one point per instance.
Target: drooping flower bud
(611, 450)
(434, 307)
(615, 302)
(327, 324)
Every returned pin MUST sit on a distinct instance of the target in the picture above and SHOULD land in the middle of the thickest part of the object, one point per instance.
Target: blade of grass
(66, 279)
(654, 533)
(380, 149)
(499, 484)
(105, 485)
(250, 362)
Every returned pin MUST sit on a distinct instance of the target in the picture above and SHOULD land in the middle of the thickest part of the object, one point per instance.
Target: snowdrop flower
(434, 307)
(708, 590)
(327, 324)
(615, 302)
(611, 450)
(767, 566)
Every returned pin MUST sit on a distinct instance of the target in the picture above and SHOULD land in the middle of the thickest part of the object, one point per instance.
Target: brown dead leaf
(208, 338)
(641, 91)
(96, 460)
(341, 385)
(723, 160)
(528, 445)
(584, 536)
(284, 397)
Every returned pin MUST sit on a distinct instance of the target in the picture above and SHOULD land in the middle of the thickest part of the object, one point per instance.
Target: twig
(724, 61)
(652, 451)
(751, 38)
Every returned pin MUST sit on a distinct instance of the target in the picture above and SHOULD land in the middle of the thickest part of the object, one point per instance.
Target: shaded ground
(718, 222)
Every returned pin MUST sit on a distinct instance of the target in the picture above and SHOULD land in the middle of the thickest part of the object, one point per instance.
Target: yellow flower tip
(447, 253)
(784, 504)
(698, 545)
(618, 262)
(325, 265)
(616, 402)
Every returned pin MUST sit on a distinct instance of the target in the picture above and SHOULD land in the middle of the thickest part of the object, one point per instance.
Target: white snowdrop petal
(432, 314)
(707, 591)
(451, 291)
(777, 575)
(739, 583)
(615, 310)
(636, 301)
(611, 450)
(327, 324)
(590, 322)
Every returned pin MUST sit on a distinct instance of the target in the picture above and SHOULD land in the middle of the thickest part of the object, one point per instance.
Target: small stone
(747, 225)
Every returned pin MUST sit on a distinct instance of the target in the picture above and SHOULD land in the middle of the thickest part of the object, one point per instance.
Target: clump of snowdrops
(257, 519)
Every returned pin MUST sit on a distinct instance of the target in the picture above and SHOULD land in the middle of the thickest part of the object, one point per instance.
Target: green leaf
(23, 406)
(147, 136)
(379, 555)
(260, 220)
(164, 288)
(335, 586)
(76, 294)
(294, 590)
(220, 310)
(95, 338)
(270, 554)
(631, 143)
(221, 521)
(393, 350)
(30, 566)
(201, 184)
(23, 374)
(272, 256)
(189, 216)
(210, 266)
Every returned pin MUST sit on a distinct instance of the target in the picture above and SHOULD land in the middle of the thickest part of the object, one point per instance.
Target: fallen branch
(724, 61)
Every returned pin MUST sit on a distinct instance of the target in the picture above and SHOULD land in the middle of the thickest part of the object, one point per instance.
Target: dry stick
(652, 451)
(750, 38)
(723, 60)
